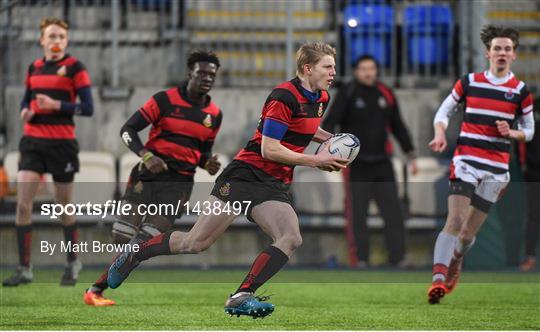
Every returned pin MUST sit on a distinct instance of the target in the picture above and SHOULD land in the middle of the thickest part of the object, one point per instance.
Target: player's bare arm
(321, 135)
(273, 150)
(439, 143)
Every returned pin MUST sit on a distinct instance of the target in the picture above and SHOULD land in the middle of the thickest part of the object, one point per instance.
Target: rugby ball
(342, 145)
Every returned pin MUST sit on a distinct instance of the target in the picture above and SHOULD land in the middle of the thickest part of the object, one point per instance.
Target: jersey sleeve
(460, 89)
(150, 110)
(278, 111)
(81, 78)
(527, 103)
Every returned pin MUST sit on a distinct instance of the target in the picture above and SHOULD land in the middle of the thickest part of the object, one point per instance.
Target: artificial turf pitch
(304, 299)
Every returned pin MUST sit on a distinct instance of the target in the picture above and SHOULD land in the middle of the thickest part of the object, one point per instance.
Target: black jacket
(370, 113)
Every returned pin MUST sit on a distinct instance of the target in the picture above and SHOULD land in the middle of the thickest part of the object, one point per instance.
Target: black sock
(268, 263)
(101, 283)
(71, 234)
(24, 242)
(156, 246)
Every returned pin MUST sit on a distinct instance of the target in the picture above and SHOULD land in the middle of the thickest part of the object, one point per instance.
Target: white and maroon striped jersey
(488, 99)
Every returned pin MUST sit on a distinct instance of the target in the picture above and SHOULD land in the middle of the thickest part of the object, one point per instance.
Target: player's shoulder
(285, 92)
(519, 85)
(163, 97)
(70, 60)
(473, 77)
(37, 63)
(213, 109)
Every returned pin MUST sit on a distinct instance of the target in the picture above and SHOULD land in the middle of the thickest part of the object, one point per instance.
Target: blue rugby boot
(121, 268)
(245, 303)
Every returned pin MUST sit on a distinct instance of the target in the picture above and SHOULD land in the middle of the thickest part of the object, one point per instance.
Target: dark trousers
(532, 226)
(376, 181)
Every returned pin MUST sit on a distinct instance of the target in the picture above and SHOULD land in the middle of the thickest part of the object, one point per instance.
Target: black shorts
(167, 191)
(57, 157)
(239, 183)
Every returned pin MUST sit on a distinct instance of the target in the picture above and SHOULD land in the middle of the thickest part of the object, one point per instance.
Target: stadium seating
(96, 180)
(524, 16)
(204, 182)
(126, 163)
(11, 161)
(428, 31)
(368, 30)
(428, 188)
(11, 164)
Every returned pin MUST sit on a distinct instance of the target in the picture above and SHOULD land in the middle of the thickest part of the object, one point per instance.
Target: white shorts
(487, 185)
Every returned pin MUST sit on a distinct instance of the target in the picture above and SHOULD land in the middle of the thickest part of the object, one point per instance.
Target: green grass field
(304, 299)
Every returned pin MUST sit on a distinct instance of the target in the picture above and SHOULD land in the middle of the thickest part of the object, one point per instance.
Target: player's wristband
(147, 156)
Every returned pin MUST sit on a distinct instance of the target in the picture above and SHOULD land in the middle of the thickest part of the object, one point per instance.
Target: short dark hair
(202, 56)
(490, 31)
(365, 57)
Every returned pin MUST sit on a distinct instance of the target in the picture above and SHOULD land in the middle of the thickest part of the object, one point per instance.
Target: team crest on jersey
(320, 112)
(62, 71)
(138, 188)
(225, 189)
(382, 102)
(509, 95)
(207, 122)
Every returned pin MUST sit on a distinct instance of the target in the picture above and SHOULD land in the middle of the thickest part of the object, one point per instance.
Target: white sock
(462, 248)
(444, 250)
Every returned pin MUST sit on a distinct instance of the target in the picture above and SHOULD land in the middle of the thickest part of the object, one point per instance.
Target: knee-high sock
(156, 246)
(24, 243)
(268, 263)
(442, 255)
(101, 283)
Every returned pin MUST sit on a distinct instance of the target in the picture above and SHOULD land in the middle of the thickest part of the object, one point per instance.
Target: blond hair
(50, 21)
(311, 53)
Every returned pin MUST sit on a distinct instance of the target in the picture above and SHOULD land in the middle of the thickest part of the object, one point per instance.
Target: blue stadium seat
(152, 4)
(428, 32)
(370, 32)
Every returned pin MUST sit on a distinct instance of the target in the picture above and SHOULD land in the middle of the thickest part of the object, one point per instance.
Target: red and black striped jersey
(180, 130)
(59, 80)
(480, 144)
(285, 104)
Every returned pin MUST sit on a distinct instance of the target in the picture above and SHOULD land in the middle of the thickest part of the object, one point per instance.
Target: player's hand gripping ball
(342, 145)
